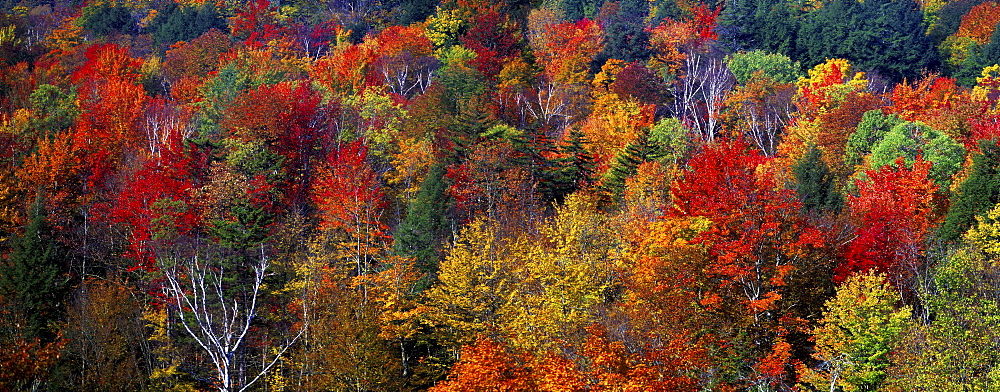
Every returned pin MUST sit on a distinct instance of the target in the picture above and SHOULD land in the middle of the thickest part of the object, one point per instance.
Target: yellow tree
(563, 276)
(474, 284)
(859, 329)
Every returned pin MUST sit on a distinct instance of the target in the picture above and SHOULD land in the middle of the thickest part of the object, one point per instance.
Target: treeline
(475, 196)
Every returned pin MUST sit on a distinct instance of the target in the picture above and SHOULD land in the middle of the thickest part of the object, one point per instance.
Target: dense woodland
(476, 195)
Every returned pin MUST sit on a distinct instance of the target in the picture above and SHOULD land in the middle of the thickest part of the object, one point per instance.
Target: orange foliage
(938, 102)
(568, 50)
(979, 23)
(23, 362)
(486, 366)
(347, 70)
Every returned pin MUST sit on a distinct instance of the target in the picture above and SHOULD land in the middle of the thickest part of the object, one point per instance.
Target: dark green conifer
(976, 195)
(815, 184)
(34, 278)
(419, 235)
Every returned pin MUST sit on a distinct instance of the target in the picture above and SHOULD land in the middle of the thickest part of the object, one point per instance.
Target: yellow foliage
(474, 282)
(563, 278)
(410, 164)
(987, 83)
(986, 233)
(443, 27)
(603, 80)
(613, 124)
(856, 334)
(956, 49)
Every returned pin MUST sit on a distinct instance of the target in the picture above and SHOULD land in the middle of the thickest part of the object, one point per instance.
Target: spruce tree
(627, 163)
(976, 195)
(815, 183)
(34, 278)
(419, 235)
(574, 169)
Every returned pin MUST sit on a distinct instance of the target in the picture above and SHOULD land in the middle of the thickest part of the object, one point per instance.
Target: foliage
(974, 196)
(759, 64)
(859, 329)
(34, 279)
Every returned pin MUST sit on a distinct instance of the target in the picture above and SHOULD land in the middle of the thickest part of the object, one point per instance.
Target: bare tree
(765, 118)
(217, 318)
(404, 72)
(701, 92)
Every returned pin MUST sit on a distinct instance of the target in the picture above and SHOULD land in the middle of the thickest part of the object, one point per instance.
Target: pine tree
(574, 169)
(976, 195)
(815, 183)
(34, 278)
(626, 165)
(419, 235)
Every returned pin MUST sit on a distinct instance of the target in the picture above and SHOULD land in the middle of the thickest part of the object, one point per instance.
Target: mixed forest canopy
(474, 195)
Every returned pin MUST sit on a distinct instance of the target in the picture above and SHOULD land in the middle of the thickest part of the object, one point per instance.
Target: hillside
(558, 195)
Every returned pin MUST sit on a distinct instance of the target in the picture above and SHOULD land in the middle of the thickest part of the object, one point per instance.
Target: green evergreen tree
(574, 169)
(976, 195)
(106, 18)
(626, 165)
(34, 278)
(815, 184)
(177, 23)
(420, 234)
(979, 57)
(886, 36)
(769, 25)
(626, 36)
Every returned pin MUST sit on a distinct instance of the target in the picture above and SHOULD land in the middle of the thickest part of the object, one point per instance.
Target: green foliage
(247, 228)
(34, 278)
(626, 36)
(957, 349)
(574, 10)
(627, 163)
(979, 57)
(882, 35)
(775, 66)
(461, 82)
(872, 128)
(976, 195)
(414, 11)
(574, 169)
(815, 183)
(176, 23)
(672, 139)
(106, 18)
(769, 25)
(908, 140)
(858, 330)
(421, 232)
(55, 110)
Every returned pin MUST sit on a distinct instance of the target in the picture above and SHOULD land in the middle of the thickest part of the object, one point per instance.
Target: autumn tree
(894, 212)
(954, 347)
(351, 203)
(974, 196)
(106, 337)
(860, 327)
(755, 241)
(486, 366)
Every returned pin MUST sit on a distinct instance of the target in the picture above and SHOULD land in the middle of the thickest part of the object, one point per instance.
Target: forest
(508, 195)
